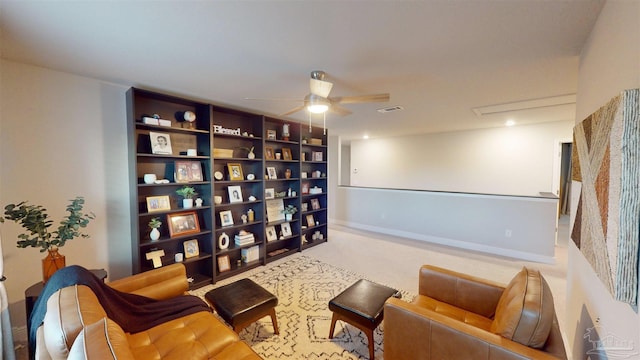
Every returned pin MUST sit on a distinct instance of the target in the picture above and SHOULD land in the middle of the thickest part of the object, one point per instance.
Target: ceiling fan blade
(294, 110)
(320, 87)
(360, 99)
(340, 110)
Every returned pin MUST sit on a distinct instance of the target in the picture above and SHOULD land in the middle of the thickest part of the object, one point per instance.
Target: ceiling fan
(318, 100)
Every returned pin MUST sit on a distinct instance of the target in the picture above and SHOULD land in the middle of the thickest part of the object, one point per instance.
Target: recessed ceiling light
(510, 122)
(365, 137)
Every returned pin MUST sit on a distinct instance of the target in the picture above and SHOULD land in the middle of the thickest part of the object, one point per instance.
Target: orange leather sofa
(76, 327)
(457, 316)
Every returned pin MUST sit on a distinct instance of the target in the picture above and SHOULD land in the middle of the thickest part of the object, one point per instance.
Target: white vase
(251, 155)
(187, 203)
(288, 217)
(154, 234)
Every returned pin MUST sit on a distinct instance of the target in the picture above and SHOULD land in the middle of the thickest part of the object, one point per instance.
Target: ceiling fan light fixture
(317, 104)
(318, 108)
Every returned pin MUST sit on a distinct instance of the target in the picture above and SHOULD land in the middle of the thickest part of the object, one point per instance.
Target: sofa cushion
(525, 310)
(68, 311)
(101, 340)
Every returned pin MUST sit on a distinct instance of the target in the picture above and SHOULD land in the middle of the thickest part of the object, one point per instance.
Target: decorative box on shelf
(250, 254)
(222, 153)
(315, 141)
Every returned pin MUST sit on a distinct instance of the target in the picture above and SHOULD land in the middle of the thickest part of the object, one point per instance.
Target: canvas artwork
(606, 171)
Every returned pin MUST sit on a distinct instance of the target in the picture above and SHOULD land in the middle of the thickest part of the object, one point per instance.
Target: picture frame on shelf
(191, 248)
(235, 172)
(304, 206)
(286, 154)
(187, 171)
(305, 188)
(271, 234)
(286, 229)
(158, 203)
(183, 223)
(271, 173)
(275, 210)
(315, 204)
(271, 134)
(269, 153)
(160, 143)
(310, 220)
(223, 263)
(235, 194)
(226, 218)
(270, 193)
(316, 155)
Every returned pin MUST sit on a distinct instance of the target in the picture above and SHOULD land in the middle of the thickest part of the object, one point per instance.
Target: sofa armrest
(161, 283)
(413, 332)
(470, 293)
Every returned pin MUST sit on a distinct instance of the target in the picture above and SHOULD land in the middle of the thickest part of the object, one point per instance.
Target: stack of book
(244, 239)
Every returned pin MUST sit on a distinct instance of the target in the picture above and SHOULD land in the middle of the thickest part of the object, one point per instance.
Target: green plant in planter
(187, 192)
(35, 220)
(290, 209)
(155, 223)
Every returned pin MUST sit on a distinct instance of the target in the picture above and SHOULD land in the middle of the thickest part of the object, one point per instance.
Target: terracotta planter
(52, 263)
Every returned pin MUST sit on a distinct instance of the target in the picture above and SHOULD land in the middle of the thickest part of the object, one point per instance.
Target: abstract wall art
(606, 170)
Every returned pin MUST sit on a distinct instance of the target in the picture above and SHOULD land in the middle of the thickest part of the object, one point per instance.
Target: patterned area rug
(304, 287)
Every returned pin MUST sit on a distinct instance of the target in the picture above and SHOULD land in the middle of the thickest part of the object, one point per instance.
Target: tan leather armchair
(457, 316)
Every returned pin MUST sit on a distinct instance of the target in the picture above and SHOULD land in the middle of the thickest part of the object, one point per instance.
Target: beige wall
(610, 63)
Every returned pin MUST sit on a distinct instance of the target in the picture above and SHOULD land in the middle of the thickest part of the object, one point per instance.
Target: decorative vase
(187, 203)
(154, 234)
(52, 263)
(288, 217)
(287, 173)
(251, 155)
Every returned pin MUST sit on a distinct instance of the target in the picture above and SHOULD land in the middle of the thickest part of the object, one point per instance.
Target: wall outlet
(507, 233)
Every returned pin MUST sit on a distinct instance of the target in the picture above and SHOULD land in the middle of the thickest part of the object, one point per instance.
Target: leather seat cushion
(525, 310)
(453, 312)
(242, 301)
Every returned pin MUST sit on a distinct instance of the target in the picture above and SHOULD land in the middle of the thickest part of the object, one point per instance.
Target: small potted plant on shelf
(288, 211)
(188, 193)
(154, 224)
(35, 219)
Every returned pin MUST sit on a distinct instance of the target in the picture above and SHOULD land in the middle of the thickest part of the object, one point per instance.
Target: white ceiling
(437, 59)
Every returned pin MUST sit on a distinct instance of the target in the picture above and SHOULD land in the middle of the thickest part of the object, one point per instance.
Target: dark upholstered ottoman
(361, 305)
(243, 302)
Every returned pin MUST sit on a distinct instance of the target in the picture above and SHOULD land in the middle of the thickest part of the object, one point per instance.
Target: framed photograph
(304, 206)
(286, 229)
(158, 203)
(183, 223)
(223, 263)
(160, 143)
(275, 210)
(286, 154)
(226, 218)
(271, 173)
(187, 171)
(311, 221)
(269, 153)
(235, 172)
(271, 233)
(316, 155)
(305, 188)
(315, 204)
(191, 248)
(270, 193)
(235, 194)
(271, 134)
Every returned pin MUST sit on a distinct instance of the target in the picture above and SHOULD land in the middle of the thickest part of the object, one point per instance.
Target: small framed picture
(183, 223)
(304, 206)
(271, 173)
(270, 193)
(160, 143)
(223, 263)
(317, 156)
(286, 154)
(271, 233)
(305, 188)
(158, 203)
(311, 221)
(191, 248)
(226, 218)
(187, 171)
(269, 153)
(271, 134)
(286, 229)
(235, 172)
(235, 194)
(315, 204)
